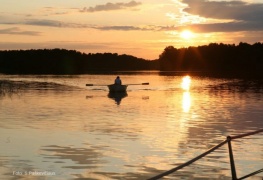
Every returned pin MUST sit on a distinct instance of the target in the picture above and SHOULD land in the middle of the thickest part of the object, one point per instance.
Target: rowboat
(117, 88)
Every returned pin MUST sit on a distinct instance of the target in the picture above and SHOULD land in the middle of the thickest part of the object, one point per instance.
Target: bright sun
(186, 34)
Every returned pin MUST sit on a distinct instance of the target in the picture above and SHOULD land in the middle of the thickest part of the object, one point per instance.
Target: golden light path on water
(186, 101)
(186, 83)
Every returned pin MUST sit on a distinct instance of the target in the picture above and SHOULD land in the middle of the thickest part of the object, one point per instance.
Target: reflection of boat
(117, 96)
(117, 88)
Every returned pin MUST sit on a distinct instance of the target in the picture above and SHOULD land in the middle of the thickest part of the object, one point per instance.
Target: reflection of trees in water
(240, 86)
(8, 88)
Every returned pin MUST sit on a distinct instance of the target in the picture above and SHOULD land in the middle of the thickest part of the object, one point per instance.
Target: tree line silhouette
(242, 59)
(62, 61)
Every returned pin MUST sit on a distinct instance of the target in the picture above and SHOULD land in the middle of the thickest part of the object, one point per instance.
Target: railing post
(231, 157)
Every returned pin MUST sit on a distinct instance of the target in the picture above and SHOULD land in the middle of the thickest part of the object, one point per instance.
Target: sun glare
(186, 83)
(186, 34)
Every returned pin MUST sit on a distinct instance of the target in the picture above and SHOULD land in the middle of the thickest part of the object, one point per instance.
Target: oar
(96, 85)
(125, 84)
(139, 84)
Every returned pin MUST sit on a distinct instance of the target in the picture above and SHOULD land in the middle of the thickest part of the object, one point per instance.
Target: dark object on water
(117, 96)
(117, 88)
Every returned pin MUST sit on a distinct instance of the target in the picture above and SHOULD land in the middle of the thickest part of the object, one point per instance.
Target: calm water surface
(57, 125)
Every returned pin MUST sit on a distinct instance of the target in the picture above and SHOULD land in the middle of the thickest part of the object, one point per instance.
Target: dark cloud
(235, 10)
(231, 27)
(111, 6)
(60, 24)
(127, 28)
(244, 16)
(218, 27)
(52, 11)
(53, 23)
(122, 28)
(84, 46)
(18, 31)
(240, 16)
(44, 22)
(201, 28)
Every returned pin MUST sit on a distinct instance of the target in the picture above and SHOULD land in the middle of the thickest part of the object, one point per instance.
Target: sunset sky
(142, 28)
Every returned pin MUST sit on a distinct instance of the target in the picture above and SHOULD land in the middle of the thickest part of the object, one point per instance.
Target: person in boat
(117, 81)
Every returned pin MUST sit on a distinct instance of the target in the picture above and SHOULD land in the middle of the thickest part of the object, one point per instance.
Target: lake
(56, 127)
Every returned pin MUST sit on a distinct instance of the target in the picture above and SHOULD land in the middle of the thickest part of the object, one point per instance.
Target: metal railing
(231, 158)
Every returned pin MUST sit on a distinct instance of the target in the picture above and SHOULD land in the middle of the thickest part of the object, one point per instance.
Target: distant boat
(117, 88)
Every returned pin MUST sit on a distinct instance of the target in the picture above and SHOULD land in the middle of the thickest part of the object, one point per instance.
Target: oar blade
(89, 84)
(145, 83)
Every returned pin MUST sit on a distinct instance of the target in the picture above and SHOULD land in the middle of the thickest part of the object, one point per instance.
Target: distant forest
(222, 59)
(242, 59)
(62, 61)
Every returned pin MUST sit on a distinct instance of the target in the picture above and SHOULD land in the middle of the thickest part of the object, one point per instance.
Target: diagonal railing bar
(247, 134)
(252, 174)
(228, 140)
(189, 162)
(231, 158)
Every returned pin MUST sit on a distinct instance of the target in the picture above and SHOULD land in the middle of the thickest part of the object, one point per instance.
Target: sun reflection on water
(186, 101)
(186, 83)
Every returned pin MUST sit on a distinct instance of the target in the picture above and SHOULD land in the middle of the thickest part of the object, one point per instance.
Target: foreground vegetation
(243, 59)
